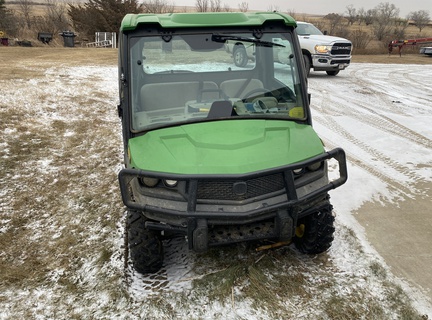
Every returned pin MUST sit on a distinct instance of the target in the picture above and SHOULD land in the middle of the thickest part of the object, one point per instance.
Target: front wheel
(307, 64)
(333, 72)
(314, 233)
(145, 246)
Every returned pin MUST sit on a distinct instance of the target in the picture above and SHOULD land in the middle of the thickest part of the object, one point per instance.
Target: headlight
(170, 183)
(322, 48)
(298, 171)
(149, 182)
(315, 166)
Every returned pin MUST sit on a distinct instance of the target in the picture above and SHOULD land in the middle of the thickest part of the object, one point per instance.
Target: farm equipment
(214, 152)
(409, 42)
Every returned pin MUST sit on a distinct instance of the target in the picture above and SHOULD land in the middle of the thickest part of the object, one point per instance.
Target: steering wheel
(248, 97)
(283, 95)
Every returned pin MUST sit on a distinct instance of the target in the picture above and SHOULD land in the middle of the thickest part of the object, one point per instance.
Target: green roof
(204, 19)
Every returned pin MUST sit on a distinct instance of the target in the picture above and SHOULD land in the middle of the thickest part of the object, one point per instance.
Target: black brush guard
(267, 221)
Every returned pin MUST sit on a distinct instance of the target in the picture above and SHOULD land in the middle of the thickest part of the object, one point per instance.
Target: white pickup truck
(320, 52)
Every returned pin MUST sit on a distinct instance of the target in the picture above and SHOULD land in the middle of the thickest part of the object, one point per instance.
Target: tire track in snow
(397, 81)
(378, 121)
(390, 81)
(357, 161)
(419, 94)
(330, 105)
(413, 77)
(332, 125)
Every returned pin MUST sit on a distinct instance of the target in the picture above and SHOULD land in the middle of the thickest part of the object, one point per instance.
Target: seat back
(238, 88)
(156, 96)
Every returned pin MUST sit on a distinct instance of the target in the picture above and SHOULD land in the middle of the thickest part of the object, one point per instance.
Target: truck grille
(341, 48)
(225, 190)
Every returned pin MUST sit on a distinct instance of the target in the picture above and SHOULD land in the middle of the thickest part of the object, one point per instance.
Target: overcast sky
(321, 7)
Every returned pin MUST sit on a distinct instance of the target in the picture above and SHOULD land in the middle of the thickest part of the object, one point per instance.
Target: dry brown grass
(26, 61)
(412, 58)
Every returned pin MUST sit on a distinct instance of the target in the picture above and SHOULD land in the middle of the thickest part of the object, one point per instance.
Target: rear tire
(314, 233)
(240, 56)
(145, 246)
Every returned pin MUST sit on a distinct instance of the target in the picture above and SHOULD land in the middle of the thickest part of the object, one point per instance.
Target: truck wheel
(240, 56)
(145, 247)
(333, 72)
(307, 64)
(314, 233)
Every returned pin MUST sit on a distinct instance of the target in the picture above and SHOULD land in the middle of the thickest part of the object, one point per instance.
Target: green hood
(224, 147)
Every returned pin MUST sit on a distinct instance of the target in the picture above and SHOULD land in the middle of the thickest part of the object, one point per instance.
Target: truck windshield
(306, 29)
(199, 77)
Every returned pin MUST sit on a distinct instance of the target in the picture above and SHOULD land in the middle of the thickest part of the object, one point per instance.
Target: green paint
(224, 147)
(204, 19)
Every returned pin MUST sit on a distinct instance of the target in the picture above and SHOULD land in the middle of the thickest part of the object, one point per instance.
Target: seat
(238, 88)
(167, 95)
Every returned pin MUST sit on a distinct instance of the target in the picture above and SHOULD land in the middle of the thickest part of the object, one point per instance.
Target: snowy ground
(381, 114)
(61, 222)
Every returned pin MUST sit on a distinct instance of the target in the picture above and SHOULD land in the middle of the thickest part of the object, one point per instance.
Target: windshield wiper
(224, 38)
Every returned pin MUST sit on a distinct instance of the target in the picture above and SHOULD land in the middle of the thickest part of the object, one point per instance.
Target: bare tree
(56, 16)
(421, 18)
(25, 9)
(360, 39)
(157, 6)
(334, 20)
(369, 16)
(272, 8)
(360, 15)
(352, 15)
(202, 5)
(54, 20)
(292, 13)
(8, 22)
(215, 6)
(386, 15)
(100, 15)
(243, 7)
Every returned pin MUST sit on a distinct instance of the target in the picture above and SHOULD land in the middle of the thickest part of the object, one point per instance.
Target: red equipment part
(409, 42)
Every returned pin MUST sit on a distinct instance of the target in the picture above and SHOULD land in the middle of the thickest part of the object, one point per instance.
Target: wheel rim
(238, 58)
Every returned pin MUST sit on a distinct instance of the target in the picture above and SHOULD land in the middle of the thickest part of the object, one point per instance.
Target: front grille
(224, 190)
(346, 61)
(341, 48)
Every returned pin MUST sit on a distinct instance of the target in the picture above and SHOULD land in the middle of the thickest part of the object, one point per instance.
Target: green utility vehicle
(215, 152)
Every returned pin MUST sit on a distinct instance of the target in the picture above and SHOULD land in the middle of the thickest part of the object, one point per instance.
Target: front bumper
(324, 62)
(267, 218)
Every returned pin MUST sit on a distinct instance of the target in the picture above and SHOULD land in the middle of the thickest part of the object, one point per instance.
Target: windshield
(199, 77)
(305, 29)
